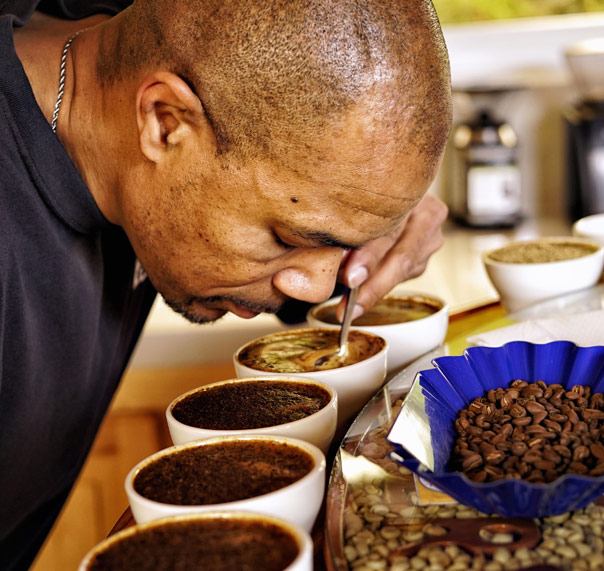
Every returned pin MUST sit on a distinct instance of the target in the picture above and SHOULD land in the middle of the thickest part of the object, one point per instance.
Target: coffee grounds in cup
(533, 431)
(222, 472)
(222, 544)
(541, 251)
(250, 404)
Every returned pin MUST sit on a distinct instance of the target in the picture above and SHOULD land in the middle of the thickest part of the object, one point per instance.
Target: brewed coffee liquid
(214, 545)
(223, 472)
(250, 404)
(386, 312)
(300, 351)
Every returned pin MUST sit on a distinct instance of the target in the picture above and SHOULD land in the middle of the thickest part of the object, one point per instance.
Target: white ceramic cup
(298, 502)
(523, 284)
(317, 428)
(354, 384)
(302, 562)
(407, 340)
(590, 227)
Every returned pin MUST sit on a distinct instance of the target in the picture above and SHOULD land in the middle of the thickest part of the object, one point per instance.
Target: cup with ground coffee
(216, 541)
(526, 272)
(312, 353)
(279, 476)
(283, 406)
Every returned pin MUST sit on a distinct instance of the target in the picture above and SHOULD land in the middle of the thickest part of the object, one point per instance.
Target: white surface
(591, 227)
(583, 329)
(525, 52)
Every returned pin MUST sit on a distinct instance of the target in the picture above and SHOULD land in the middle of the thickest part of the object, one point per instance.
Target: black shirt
(69, 315)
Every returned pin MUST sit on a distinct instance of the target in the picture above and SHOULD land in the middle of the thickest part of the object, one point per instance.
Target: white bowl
(298, 502)
(522, 284)
(406, 340)
(302, 562)
(590, 227)
(354, 384)
(317, 428)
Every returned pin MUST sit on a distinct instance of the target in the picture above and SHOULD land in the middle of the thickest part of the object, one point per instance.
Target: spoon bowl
(343, 338)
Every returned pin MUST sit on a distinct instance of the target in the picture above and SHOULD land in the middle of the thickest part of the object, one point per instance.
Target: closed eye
(281, 243)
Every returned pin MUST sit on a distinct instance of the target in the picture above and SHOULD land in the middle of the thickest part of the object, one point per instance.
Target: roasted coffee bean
(545, 465)
(518, 448)
(517, 410)
(475, 407)
(506, 430)
(552, 425)
(564, 451)
(535, 429)
(531, 456)
(534, 406)
(471, 462)
(536, 442)
(531, 430)
(552, 456)
(533, 391)
(598, 470)
(592, 413)
(495, 457)
(581, 427)
(539, 417)
(580, 452)
(578, 467)
(597, 449)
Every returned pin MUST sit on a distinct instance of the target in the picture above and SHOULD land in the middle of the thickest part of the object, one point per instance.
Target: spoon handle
(352, 298)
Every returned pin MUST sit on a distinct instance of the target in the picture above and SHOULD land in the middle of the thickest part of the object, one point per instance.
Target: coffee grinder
(584, 130)
(484, 184)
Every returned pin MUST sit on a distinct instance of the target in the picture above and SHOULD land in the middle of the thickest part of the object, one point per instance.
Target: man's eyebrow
(323, 239)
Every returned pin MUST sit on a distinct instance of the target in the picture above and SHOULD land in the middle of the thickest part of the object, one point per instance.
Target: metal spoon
(343, 337)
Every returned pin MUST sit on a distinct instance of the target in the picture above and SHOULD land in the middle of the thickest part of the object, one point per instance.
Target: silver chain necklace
(62, 73)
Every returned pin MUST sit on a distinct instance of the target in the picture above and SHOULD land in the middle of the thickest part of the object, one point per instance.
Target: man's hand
(398, 256)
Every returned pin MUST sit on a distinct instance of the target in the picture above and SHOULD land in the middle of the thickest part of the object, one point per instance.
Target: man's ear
(167, 111)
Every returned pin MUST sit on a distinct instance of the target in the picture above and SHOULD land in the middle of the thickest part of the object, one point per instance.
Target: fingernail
(357, 311)
(357, 276)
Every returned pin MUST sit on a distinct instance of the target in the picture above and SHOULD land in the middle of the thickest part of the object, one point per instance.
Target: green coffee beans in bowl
(516, 430)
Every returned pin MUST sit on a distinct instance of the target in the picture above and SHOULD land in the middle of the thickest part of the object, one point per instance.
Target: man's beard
(186, 308)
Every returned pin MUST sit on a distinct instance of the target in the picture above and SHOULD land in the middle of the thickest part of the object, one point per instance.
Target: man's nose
(310, 274)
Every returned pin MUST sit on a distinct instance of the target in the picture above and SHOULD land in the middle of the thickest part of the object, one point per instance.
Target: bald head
(273, 75)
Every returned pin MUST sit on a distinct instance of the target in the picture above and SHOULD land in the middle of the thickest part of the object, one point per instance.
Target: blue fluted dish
(423, 434)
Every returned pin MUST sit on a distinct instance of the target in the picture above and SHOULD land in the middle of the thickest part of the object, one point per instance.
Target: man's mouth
(242, 312)
(193, 308)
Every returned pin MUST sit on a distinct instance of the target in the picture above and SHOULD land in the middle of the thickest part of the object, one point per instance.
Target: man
(239, 153)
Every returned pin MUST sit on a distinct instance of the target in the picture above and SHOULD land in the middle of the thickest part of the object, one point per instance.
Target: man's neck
(39, 46)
